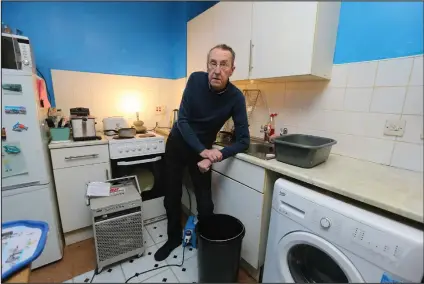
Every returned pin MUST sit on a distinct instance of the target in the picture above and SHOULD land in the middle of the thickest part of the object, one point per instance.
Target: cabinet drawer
(243, 172)
(79, 156)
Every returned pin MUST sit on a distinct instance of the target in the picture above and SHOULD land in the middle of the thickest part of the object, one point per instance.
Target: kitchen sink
(257, 148)
(260, 149)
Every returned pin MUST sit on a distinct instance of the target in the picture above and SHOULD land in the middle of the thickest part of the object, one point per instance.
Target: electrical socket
(160, 109)
(394, 128)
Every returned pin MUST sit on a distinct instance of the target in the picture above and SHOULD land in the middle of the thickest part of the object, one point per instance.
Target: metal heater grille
(118, 236)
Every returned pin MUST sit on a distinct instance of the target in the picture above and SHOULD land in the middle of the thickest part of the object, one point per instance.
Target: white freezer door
(34, 156)
(36, 203)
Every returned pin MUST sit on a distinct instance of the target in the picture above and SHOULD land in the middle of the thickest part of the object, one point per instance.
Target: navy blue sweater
(203, 112)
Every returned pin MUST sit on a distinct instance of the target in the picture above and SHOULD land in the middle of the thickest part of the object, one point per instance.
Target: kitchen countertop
(395, 190)
(71, 143)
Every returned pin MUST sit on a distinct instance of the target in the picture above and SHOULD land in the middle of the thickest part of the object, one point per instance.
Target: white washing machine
(315, 238)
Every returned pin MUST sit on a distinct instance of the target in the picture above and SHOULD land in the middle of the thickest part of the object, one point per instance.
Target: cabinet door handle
(250, 56)
(81, 157)
(107, 174)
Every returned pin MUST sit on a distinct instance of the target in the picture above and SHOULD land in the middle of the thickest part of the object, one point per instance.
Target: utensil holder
(60, 134)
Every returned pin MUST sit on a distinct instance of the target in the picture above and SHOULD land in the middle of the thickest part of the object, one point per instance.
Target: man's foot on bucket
(167, 248)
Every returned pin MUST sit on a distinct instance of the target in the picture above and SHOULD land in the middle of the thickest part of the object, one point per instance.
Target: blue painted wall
(127, 38)
(149, 38)
(378, 30)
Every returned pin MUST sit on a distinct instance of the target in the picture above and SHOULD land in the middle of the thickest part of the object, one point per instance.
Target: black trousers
(178, 156)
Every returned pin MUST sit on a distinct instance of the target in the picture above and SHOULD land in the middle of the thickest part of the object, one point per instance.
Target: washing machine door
(307, 258)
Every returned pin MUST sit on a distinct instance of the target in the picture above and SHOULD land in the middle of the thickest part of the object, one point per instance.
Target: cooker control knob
(120, 150)
(127, 150)
(25, 62)
(325, 223)
(155, 146)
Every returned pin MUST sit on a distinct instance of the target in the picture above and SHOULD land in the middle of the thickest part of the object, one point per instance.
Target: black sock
(167, 248)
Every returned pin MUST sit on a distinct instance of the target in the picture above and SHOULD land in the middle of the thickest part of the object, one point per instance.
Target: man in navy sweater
(208, 101)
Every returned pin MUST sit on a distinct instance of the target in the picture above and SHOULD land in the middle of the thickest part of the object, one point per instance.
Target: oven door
(149, 171)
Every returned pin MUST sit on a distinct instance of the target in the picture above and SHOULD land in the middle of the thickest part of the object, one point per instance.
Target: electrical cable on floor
(153, 269)
(94, 274)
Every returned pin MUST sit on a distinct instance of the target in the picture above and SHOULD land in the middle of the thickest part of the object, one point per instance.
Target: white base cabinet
(73, 169)
(238, 189)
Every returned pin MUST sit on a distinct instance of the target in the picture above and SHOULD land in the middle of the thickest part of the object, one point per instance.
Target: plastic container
(219, 248)
(305, 151)
(60, 134)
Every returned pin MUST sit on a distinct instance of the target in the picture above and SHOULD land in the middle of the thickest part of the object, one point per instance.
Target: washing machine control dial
(325, 223)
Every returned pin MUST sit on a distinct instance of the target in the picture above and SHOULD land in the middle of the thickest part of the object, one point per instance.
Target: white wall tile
(417, 72)
(394, 72)
(358, 99)
(361, 74)
(339, 75)
(370, 149)
(388, 99)
(413, 129)
(408, 156)
(331, 98)
(367, 124)
(414, 100)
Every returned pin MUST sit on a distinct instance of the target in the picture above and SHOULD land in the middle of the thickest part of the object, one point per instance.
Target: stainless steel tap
(266, 130)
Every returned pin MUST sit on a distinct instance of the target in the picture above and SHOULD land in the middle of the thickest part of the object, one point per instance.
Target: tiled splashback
(353, 108)
(116, 95)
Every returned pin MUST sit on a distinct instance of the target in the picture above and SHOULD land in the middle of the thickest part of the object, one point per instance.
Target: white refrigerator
(27, 187)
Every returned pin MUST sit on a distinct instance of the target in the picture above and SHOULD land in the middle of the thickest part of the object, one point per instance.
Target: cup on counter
(60, 133)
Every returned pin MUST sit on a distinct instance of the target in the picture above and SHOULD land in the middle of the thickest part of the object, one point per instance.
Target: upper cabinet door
(200, 39)
(232, 26)
(283, 38)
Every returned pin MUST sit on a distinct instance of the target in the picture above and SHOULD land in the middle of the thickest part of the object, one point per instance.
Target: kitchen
(367, 92)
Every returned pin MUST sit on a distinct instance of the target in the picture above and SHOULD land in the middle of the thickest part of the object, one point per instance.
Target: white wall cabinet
(271, 39)
(73, 168)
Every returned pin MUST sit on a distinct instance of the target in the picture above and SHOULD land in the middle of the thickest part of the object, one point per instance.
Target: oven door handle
(139, 161)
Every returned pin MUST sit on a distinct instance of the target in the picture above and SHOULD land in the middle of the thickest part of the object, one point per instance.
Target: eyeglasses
(214, 65)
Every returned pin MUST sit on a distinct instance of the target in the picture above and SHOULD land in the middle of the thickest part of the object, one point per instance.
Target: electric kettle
(174, 118)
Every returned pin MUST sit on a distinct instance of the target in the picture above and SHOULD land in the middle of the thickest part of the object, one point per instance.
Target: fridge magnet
(11, 89)
(3, 134)
(12, 160)
(19, 127)
(15, 110)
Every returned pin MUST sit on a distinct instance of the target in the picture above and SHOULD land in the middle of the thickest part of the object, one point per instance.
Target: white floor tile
(69, 281)
(146, 262)
(165, 277)
(188, 272)
(158, 231)
(148, 241)
(177, 254)
(108, 275)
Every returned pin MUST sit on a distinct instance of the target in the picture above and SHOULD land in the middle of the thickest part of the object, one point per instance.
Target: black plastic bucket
(220, 238)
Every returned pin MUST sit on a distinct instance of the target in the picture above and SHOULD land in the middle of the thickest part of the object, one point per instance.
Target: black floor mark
(86, 280)
(132, 260)
(109, 270)
(183, 270)
(175, 256)
(154, 228)
(160, 236)
(164, 280)
(156, 265)
(190, 249)
(149, 253)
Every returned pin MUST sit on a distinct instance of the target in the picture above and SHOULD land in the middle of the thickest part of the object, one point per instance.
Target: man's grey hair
(224, 47)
